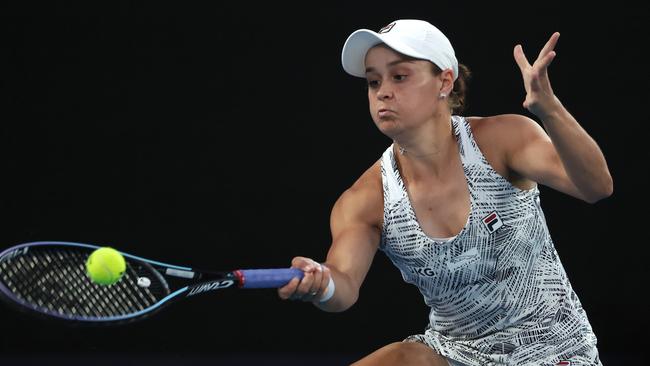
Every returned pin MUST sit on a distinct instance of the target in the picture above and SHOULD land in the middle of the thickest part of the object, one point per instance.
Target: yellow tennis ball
(105, 266)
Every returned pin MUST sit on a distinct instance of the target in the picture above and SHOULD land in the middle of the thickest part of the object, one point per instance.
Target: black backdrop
(220, 136)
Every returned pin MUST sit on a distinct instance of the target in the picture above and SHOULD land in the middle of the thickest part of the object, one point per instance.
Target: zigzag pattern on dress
(498, 292)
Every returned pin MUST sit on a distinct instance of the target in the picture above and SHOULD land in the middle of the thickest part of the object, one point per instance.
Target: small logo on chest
(492, 222)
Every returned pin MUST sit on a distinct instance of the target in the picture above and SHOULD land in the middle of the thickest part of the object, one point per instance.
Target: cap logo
(387, 28)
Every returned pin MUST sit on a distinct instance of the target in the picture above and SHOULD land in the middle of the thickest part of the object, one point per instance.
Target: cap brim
(355, 49)
(353, 56)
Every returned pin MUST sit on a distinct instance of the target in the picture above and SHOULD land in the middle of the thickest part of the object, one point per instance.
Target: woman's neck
(427, 152)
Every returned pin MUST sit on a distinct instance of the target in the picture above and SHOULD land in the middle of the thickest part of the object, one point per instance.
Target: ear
(447, 78)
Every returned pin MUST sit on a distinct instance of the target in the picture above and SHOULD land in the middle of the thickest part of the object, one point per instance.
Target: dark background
(220, 136)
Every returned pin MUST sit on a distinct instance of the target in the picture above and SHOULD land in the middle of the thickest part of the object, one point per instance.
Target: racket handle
(269, 278)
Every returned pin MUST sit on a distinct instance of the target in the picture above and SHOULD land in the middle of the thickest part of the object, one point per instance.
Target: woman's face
(402, 92)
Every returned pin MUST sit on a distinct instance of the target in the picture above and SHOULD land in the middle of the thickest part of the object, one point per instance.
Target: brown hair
(458, 94)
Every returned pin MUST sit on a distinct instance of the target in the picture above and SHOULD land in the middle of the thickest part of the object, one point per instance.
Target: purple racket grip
(269, 278)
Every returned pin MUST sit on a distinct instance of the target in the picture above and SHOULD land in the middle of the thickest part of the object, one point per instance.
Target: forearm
(581, 157)
(345, 294)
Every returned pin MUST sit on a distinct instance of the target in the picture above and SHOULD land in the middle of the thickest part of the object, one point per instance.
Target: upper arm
(528, 152)
(356, 230)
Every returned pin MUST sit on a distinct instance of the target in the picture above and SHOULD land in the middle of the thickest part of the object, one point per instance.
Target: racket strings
(55, 281)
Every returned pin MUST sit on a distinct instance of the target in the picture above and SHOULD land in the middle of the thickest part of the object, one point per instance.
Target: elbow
(338, 307)
(353, 300)
(605, 189)
(340, 302)
(344, 304)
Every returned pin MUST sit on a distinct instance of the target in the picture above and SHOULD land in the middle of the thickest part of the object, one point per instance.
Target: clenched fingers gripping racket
(49, 279)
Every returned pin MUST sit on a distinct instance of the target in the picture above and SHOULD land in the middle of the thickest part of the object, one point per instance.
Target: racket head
(49, 279)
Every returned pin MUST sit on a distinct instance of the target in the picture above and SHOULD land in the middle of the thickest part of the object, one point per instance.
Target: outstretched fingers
(520, 58)
(545, 61)
(549, 46)
(536, 82)
(545, 57)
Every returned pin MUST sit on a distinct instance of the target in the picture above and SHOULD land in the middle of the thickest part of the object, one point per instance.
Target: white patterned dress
(498, 292)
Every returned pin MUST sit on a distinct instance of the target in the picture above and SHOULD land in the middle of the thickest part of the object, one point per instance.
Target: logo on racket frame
(210, 286)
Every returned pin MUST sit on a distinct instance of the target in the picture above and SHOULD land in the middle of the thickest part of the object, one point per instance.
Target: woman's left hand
(539, 94)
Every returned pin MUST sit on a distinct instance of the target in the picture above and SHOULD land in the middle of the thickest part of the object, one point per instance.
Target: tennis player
(454, 203)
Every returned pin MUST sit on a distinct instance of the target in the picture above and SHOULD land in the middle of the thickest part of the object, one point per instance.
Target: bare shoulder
(504, 127)
(363, 202)
(501, 137)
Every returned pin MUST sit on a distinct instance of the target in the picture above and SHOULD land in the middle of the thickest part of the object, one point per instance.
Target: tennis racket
(49, 279)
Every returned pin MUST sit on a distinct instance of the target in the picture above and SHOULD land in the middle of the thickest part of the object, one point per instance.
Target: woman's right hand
(313, 284)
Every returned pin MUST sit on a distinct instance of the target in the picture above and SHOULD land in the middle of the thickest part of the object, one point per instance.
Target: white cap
(415, 38)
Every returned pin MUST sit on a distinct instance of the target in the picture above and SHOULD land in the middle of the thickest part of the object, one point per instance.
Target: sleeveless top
(498, 292)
